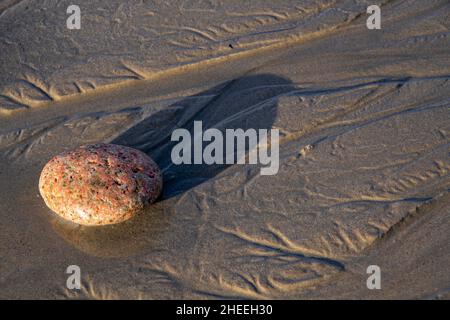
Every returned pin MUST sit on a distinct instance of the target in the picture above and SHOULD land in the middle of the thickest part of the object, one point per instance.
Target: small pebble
(100, 184)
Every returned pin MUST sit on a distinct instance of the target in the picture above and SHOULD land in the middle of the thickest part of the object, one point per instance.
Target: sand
(364, 120)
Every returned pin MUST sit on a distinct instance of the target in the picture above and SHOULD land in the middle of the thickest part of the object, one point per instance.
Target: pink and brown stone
(100, 184)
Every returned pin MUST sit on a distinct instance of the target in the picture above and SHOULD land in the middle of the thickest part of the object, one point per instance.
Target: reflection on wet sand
(119, 240)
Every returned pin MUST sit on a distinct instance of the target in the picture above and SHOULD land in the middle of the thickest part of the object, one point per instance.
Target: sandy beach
(364, 148)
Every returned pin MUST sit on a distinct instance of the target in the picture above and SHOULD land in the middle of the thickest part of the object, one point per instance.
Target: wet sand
(364, 120)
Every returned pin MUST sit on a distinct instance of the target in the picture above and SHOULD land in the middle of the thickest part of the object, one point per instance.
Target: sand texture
(364, 120)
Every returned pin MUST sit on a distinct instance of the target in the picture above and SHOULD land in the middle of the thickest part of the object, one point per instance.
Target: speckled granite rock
(100, 184)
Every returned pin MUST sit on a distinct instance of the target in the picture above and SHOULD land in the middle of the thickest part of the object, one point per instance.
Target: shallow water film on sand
(357, 205)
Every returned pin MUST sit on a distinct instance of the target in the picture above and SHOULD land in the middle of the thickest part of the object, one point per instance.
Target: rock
(100, 184)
